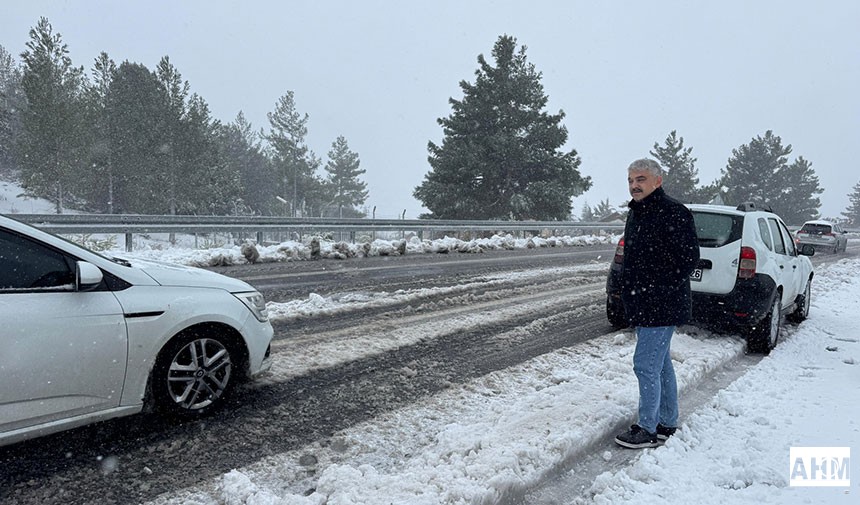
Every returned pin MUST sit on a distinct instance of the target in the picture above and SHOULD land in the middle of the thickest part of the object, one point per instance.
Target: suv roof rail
(751, 206)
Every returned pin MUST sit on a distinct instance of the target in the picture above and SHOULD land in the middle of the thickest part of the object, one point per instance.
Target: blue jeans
(658, 391)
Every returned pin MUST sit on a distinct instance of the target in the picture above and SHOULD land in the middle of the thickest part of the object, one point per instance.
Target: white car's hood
(168, 274)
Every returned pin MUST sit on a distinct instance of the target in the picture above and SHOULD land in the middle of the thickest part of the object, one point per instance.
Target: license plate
(696, 275)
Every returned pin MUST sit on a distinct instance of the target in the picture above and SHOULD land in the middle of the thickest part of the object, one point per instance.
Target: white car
(823, 236)
(750, 274)
(86, 338)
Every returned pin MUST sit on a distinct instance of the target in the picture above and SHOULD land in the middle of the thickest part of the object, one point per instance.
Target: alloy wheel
(199, 373)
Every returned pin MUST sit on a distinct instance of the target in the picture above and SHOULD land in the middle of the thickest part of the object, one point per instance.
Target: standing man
(660, 252)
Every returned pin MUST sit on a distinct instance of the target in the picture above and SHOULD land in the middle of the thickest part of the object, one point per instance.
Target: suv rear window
(717, 230)
(816, 229)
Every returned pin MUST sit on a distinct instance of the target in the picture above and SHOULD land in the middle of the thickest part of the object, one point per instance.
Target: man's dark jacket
(660, 252)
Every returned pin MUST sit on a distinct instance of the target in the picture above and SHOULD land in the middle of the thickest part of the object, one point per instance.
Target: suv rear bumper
(743, 306)
(818, 243)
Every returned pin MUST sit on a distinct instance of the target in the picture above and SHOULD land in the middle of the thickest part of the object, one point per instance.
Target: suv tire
(764, 335)
(803, 301)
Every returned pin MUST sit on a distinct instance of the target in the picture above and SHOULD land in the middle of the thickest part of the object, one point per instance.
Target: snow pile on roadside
(805, 394)
(300, 251)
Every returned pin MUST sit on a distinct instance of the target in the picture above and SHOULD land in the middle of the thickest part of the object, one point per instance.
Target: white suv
(749, 275)
(87, 338)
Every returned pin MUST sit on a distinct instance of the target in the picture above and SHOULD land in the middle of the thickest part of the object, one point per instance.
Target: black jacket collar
(655, 196)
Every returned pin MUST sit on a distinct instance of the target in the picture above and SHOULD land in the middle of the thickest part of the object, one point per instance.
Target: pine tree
(681, 176)
(587, 215)
(173, 161)
(751, 173)
(797, 202)
(97, 182)
(50, 148)
(206, 183)
(500, 157)
(135, 112)
(759, 172)
(241, 150)
(12, 103)
(852, 212)
(295, 163)
(343, 185)
(709, 193)
(603, 209)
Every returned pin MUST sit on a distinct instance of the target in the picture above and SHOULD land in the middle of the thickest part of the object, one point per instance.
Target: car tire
(803, 302)
(615, 314)
(764, 336)
(193, 374)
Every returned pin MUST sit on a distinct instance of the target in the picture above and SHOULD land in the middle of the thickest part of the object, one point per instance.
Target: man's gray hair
(646, 165)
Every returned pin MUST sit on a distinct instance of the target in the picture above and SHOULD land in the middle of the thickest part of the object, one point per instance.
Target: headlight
(255, 303)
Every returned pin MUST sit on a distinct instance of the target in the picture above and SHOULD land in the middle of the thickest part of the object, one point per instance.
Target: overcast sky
(380, 73)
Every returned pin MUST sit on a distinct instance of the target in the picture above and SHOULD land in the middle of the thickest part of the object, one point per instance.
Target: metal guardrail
(128, 224)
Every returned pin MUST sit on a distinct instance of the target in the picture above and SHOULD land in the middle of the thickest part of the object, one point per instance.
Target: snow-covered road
(497, 436)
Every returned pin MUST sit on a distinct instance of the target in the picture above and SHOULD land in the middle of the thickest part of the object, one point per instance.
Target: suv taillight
(747, 265)
(619, 252)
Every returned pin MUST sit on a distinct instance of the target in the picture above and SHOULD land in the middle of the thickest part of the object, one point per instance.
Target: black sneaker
(664, 432)
(637, 438)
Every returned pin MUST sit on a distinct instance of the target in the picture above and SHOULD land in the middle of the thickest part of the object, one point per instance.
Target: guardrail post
(128, 242)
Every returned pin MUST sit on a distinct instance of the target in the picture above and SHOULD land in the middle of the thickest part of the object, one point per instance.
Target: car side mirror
(87, 276)
(807, 250)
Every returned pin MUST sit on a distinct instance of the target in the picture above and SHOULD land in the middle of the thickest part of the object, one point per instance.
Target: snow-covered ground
(498, 435)
(12, 201)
